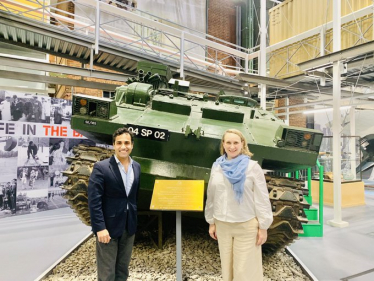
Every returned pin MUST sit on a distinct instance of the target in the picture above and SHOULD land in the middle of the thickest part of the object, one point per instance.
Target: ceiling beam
(324, 102)
(342, 55)
(302, 111)
(57, 80)
(279, 83)
(63, 69)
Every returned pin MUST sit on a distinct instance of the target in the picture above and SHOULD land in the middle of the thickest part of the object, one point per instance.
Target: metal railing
(320, 200)
(123, 27)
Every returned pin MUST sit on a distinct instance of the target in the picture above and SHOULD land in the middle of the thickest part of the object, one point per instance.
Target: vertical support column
(179, 244)
(246, 91)
(181, 61)
(91, 58)
(262, 57)
(336, 127)
(246, 64)
(322, 51)
(352, 141)
(372, 7)
(97, 27)
(43, 10)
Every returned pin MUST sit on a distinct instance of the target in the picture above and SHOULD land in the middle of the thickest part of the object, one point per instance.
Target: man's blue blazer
(107, 199)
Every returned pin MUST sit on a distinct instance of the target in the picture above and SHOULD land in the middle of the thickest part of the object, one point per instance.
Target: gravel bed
(200, 261)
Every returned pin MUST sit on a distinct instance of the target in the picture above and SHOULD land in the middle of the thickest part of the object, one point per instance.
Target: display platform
(353, 193)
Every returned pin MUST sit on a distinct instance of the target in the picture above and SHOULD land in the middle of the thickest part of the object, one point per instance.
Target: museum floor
(342, 252)
(30, 244)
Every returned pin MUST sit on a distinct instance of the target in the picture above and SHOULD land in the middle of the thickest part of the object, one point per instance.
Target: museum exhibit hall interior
(191, 84)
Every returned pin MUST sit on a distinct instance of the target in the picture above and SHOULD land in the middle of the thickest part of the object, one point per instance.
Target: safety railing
(111, 23)
(320, 201)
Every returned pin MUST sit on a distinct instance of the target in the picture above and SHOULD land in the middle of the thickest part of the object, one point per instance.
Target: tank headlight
(83, 110)
(83, 102)
(304, 143)
(307, 136)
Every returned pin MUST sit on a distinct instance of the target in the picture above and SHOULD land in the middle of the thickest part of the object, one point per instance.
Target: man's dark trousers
(113, 259)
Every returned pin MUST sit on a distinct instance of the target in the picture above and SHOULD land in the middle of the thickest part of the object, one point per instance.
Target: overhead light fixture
(325, 109)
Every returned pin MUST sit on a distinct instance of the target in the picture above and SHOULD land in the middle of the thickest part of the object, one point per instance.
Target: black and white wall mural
(35, 139)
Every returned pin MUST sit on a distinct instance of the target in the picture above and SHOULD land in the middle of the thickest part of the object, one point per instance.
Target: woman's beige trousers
(241, 259)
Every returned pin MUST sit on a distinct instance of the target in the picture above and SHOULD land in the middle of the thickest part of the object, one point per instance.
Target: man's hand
(262, 236)
(103, 236)
(212, 231)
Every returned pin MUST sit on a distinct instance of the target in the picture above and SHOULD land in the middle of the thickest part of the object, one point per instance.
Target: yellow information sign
(178, 195)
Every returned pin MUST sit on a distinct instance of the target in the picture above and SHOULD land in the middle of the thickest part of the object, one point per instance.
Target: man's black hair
(122, 131)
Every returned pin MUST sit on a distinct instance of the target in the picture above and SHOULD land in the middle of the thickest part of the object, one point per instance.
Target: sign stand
(179, 244)
(178, 195)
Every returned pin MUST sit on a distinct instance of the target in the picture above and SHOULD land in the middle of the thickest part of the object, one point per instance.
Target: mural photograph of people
(56, 178)
(55, 192)
(46, 110)
(31, 201)
(5, 105)
(8, 167)
(7, 198)
(58, 149)
(24, 107)
(60, 111)
(32, 177)
(33, 151)
(32, 159)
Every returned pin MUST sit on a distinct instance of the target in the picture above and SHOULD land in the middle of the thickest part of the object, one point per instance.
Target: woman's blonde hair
(245, 149)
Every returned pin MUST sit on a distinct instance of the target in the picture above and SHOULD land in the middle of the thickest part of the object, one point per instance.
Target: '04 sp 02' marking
(149, 133)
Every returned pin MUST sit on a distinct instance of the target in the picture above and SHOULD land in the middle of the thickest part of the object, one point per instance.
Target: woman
(238, 209)
(57, 154)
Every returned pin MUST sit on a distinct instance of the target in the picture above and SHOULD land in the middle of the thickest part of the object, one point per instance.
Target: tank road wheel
(78, 173)
(288, 204)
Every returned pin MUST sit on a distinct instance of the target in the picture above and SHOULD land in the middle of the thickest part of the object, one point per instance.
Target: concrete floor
(342, 252)
(31, 243)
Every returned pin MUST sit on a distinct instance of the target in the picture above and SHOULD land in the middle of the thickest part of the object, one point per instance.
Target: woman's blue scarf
(234, 170)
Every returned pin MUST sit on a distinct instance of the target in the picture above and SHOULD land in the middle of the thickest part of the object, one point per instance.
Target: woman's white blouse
(222, 205)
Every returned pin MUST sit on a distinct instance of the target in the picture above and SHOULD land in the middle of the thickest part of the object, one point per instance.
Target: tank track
(288, 204)
(286, 197)
(78, 173)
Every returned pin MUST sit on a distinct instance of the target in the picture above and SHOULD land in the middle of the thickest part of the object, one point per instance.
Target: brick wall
(222, 24)
(299, 119)
(66, 91)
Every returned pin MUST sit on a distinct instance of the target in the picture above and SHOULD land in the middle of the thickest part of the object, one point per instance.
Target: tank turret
(178, 134)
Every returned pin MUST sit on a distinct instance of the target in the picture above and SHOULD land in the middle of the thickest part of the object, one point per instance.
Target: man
(37, 109)
(16, 108)
(44, 111)
(5, 109)
(32, 150)
(112, 199)
(57, 115)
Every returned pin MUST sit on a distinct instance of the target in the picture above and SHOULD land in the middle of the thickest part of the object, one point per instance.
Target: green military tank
(178, 134)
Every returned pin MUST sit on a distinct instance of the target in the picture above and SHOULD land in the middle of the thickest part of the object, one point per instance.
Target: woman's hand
(212, 231)
(262, 236)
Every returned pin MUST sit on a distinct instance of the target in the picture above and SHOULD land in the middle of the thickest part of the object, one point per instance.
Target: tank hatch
(171, 105)
(223, 115)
